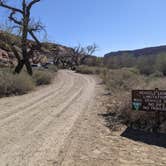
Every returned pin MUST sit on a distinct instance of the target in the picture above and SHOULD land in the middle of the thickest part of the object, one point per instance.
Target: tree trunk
(19, 66)
(24, 41)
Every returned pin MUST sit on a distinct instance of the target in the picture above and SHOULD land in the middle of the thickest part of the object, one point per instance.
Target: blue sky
(111, 24)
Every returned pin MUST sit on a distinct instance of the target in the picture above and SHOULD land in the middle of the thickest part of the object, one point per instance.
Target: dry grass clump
(22, 83)
(122, 79)
(52, 68)
(89, 69)
(42, 77)
(15, 84)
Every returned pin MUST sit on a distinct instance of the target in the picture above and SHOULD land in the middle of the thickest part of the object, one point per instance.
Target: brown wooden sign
(149, 100)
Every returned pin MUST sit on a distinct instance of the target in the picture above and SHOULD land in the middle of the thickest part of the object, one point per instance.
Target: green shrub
(156, 74)
(84, 70)
(52, 68)
(133, 70)
(161, 63)
(42, 77)
(89, 70)
(122, 79)
(146, 65)
(120, 61)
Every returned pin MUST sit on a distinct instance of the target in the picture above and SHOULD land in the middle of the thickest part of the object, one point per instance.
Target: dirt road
(34, 127)
(59, 125)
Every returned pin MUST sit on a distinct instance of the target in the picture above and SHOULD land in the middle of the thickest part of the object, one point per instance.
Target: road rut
(34, 127)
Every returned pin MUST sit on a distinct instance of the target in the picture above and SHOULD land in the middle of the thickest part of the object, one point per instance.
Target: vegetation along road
(60, 124)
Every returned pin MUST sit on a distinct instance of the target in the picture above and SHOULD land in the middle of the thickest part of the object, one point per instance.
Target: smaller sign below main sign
(149, 100)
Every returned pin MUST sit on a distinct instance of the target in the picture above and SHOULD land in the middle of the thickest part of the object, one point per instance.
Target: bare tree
(27, 26)
(79, 53)
(88, 51)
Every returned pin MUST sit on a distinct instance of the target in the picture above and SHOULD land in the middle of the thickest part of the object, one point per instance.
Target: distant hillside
(139, 52)
(147, 61)
(46, 55)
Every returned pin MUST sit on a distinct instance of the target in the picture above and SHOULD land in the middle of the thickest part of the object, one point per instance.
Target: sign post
(157, 116)
(150, 100)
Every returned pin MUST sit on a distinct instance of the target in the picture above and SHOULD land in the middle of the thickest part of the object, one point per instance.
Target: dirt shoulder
(93, 144)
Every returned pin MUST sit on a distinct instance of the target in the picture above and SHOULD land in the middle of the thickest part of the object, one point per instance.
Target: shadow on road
(158, 139)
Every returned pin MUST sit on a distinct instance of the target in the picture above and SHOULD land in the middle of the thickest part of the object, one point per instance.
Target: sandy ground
(60, 125)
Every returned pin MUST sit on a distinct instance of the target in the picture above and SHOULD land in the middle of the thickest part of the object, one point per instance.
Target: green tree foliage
(161, 63)
(147, 64)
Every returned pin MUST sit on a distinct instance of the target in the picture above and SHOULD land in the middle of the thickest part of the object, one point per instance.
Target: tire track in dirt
(34, 101)
(30, 116)
(30, 108)
(35, 134)
(49, 152)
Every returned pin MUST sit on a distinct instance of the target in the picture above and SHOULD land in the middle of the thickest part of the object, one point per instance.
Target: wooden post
(157, 116)
(157, 121)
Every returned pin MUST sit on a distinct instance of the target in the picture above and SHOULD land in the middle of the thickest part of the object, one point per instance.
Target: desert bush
(121, 82)
(15, 84)
(85, 70)
(146, 69)
(161, 63)
(156, 74)
(42, 77)
(11, 84)
(52, 68)
(156, 82)
(94, 61)
(122, 79)
(117, 62)
(146, 64)
(121, 113)
(89, 70)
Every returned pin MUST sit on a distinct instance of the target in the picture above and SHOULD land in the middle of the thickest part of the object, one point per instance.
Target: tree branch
(35, 26)
(35, 38)
(31, 4)
(14, 19)
(10, 7)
